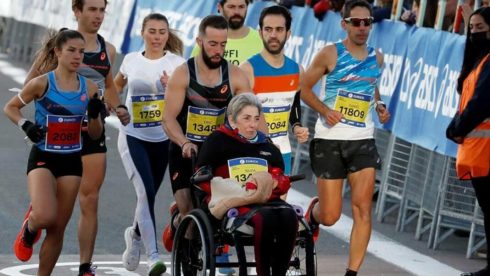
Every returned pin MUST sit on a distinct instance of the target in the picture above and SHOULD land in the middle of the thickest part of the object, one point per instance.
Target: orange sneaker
(315, 228)
(22, 249)
(168, 232)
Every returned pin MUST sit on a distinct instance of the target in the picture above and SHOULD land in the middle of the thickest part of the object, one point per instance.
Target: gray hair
(241, 101)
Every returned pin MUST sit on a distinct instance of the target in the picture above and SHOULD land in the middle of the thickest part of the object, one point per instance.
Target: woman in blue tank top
(62, 98)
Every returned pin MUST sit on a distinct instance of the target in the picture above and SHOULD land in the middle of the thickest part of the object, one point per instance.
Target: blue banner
(418, 81)
(426, 97)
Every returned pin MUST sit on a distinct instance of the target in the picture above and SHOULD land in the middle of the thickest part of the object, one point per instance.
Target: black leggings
(275, 231)
(482, 191)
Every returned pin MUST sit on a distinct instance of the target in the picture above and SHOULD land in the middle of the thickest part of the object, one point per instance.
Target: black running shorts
(59, 164)
(334, 159)
(90, 146)
(180, 168)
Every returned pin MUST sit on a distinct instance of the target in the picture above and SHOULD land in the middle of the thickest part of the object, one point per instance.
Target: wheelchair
(200, 237)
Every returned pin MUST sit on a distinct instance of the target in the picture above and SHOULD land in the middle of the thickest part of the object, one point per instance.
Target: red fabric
(321, 7)
(250, 186)
(283, 183)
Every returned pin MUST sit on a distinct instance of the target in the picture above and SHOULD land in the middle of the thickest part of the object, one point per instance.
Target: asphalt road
(116, 209)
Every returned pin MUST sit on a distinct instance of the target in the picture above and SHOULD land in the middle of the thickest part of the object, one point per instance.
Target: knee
(328, 219)
(45, 219)
(362, 214)
(89, 201)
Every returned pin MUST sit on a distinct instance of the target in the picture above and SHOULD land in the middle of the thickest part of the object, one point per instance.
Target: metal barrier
(476, 239)
(417, 173)
(456, 209)
(20, 40)
(429, 207)
(393, 177)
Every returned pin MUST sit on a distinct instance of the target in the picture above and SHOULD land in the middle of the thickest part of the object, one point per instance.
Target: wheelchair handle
(201, 178)
(297, 177)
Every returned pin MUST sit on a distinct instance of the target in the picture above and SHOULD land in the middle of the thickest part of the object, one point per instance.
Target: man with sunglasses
(343, 146)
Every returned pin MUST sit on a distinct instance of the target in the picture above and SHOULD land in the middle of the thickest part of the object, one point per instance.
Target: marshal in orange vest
(473, 159)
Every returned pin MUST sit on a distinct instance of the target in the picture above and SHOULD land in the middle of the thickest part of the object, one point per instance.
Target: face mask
(479, 38)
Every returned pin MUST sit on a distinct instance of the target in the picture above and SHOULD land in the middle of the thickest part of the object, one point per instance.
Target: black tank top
(96, 65)
(198, 95)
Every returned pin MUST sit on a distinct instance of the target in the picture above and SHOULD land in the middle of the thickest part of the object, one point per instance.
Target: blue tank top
(350, 74)
(350, 89)
(61, 113)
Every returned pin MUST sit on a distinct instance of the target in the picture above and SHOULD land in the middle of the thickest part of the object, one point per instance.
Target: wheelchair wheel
(303, 260)
(193, 251)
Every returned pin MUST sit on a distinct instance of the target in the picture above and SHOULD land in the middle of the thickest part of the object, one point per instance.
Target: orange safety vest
(473, 159)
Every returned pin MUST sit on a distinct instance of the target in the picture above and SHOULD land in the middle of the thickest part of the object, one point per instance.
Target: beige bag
(228, 193)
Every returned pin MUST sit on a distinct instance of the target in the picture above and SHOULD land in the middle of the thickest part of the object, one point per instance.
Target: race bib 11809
(354, 107)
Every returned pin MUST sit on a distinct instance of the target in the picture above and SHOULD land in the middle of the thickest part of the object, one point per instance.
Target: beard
(236, 24)
(208, 61)
(274, 51)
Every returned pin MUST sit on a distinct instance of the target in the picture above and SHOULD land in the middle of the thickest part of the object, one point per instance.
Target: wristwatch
(376, 103)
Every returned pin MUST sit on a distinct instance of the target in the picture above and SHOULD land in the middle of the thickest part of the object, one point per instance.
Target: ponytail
(174, 43)
(45, 55)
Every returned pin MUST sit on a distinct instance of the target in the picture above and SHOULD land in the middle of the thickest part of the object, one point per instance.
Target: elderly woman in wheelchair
(244, 192)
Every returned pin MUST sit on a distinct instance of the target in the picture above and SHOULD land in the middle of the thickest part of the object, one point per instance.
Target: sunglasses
(356, 22)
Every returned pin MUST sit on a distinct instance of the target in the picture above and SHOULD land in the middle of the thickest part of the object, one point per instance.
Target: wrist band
(380, 103)
(295, 125)
(186, 142)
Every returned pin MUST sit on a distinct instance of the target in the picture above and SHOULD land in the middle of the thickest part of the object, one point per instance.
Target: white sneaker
(131, 256)
(155, 266)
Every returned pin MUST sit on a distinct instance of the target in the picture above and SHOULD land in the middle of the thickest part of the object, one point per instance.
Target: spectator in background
(467, 9)
(470, 127)
(383, 10)
(243, 41)
(290, 3)
(321, 7)
(410, 16)
(449, 15)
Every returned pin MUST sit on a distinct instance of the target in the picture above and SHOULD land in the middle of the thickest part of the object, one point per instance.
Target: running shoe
(131, 256)
(155, 266)
(315, 228)
(89, 272)
(168, 232)
(22, 248)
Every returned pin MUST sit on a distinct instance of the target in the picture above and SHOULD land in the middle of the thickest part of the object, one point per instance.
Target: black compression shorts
(58, 164)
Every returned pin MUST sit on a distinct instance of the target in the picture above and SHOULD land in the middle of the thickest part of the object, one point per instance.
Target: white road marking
(102, 267)
(379, 245)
